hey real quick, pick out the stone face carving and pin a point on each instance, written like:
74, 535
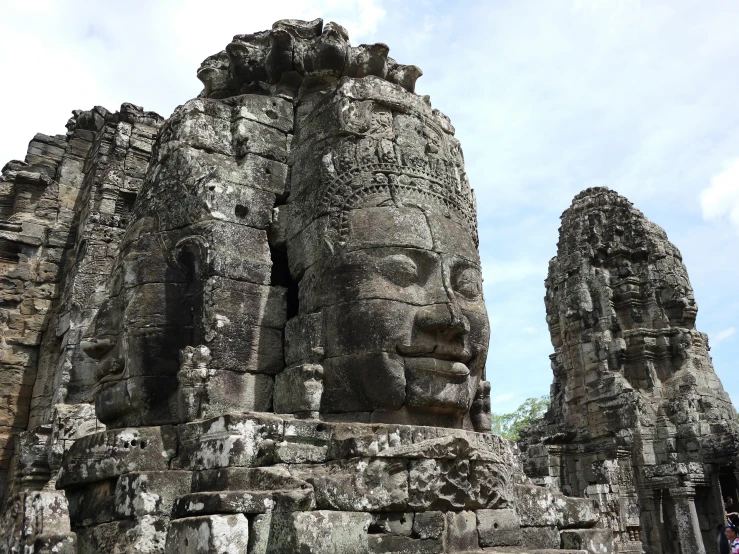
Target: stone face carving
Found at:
638, 418
381, 236
329, 195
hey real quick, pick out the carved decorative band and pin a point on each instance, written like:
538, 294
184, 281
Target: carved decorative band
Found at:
347, 191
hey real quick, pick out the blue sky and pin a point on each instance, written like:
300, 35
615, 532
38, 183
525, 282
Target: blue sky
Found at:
548, 98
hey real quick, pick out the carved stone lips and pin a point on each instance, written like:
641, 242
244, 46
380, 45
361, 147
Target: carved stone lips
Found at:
441, 352
447, 368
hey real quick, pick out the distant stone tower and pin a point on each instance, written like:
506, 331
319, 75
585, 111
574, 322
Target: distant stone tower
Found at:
638, 419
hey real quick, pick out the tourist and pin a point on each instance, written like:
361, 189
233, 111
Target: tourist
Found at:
721, 541
730, 533
731, 514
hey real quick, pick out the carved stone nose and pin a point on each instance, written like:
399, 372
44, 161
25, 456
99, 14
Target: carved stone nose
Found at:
445, 319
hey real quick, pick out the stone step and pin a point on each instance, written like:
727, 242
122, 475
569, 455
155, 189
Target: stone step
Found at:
244, 502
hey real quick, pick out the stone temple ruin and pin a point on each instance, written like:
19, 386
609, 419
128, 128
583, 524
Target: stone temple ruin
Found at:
639, 421
257, 327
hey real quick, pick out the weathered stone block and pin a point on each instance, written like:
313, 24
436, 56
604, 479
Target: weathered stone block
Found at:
235, 203
150, 493
304, 441
92, 503
392, 523
112, 453
228, 242
247, 348
460, 534
347, 390
250, 137
200, 131
231, 391
428, 525
540, 537
147, 535
208, 535
244, 502
498, 527
260, 531
304, 339
230, 440
536, 506
577, 512
593, 541
358, 485
263, 173
457, 484
246, 478
55, 544
267, 110
320, 532
240, 303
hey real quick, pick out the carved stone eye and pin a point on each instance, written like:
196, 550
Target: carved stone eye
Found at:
400, 269
468, 283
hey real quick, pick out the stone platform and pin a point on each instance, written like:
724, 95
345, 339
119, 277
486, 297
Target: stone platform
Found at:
262, 483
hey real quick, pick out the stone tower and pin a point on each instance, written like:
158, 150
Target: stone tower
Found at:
273, 301
638, 418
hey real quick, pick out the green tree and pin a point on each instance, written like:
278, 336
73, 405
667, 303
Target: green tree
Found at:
509, 426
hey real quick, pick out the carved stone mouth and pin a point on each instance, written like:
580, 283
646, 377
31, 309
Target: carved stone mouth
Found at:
447, 368
455, 353
108, 381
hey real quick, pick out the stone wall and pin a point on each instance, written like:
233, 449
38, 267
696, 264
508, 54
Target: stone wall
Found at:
262, 483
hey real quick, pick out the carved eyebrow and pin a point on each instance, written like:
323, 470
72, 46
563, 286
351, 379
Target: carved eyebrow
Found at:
391, 250
456, 261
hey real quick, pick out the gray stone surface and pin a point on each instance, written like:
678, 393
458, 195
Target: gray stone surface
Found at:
498, 527
216, 534
593, 541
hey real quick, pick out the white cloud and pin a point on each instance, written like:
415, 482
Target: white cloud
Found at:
722, 336
721, 199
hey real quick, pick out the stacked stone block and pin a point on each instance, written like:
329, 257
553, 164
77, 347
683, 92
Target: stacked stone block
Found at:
261, 483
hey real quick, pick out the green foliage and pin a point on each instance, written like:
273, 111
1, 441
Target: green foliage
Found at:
509, 426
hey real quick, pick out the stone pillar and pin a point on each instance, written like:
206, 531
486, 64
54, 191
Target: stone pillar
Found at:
688, 529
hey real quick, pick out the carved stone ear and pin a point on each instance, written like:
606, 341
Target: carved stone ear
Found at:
298, 390
192, 256
193, 373
480, 410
